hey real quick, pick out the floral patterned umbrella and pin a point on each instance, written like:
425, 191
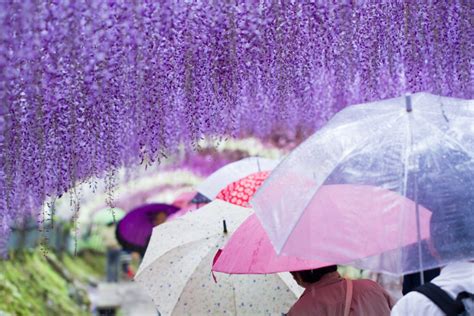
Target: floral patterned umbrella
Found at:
176, 269
233, 172
240, 192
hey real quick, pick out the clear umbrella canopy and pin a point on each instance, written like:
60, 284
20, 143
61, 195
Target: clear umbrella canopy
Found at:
418, 147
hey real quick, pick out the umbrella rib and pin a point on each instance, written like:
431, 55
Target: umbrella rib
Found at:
379, 117
378, 131
169, 250
454, 140
350, 124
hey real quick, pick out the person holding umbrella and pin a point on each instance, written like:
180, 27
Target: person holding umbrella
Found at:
134, 230
326, 293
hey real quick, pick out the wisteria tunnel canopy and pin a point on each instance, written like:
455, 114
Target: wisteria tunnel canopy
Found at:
89, 86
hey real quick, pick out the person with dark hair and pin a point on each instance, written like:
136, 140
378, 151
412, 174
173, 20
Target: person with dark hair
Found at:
326, 293
451, 242
413, 280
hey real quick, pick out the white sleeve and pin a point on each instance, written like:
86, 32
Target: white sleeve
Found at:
400, 308
414, 304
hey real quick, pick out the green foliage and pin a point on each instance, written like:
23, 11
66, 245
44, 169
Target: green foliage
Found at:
352, 273
87, 266
93, 242
33, 284
94, 260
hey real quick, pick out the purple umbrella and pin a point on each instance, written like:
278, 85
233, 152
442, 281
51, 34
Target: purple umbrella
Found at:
134, 230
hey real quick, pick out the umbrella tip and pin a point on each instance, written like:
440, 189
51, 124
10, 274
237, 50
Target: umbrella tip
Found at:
408, 103
225, 226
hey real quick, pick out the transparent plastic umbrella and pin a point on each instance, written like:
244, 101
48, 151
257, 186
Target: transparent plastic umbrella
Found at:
420, 147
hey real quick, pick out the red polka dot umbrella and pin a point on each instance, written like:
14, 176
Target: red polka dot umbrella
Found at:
240, 192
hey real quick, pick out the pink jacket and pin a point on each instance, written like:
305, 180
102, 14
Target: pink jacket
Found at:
327, 297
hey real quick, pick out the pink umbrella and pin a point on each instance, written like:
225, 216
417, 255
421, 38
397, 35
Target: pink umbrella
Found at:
184, 199
249, 251
185, 202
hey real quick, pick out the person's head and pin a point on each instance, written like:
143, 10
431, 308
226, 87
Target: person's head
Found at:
159, 218
305, 278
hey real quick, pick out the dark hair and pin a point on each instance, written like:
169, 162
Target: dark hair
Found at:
314, 275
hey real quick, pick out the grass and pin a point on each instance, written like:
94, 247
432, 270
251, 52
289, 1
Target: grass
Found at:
34, 284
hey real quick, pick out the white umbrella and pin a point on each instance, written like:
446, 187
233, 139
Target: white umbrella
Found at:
176, 269
233, 172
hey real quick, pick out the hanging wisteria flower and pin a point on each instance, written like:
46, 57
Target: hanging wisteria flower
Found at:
88, 86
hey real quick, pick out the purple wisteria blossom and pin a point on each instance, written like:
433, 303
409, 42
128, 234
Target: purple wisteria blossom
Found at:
88, 86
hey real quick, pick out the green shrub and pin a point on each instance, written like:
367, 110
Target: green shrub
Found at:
32, 284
